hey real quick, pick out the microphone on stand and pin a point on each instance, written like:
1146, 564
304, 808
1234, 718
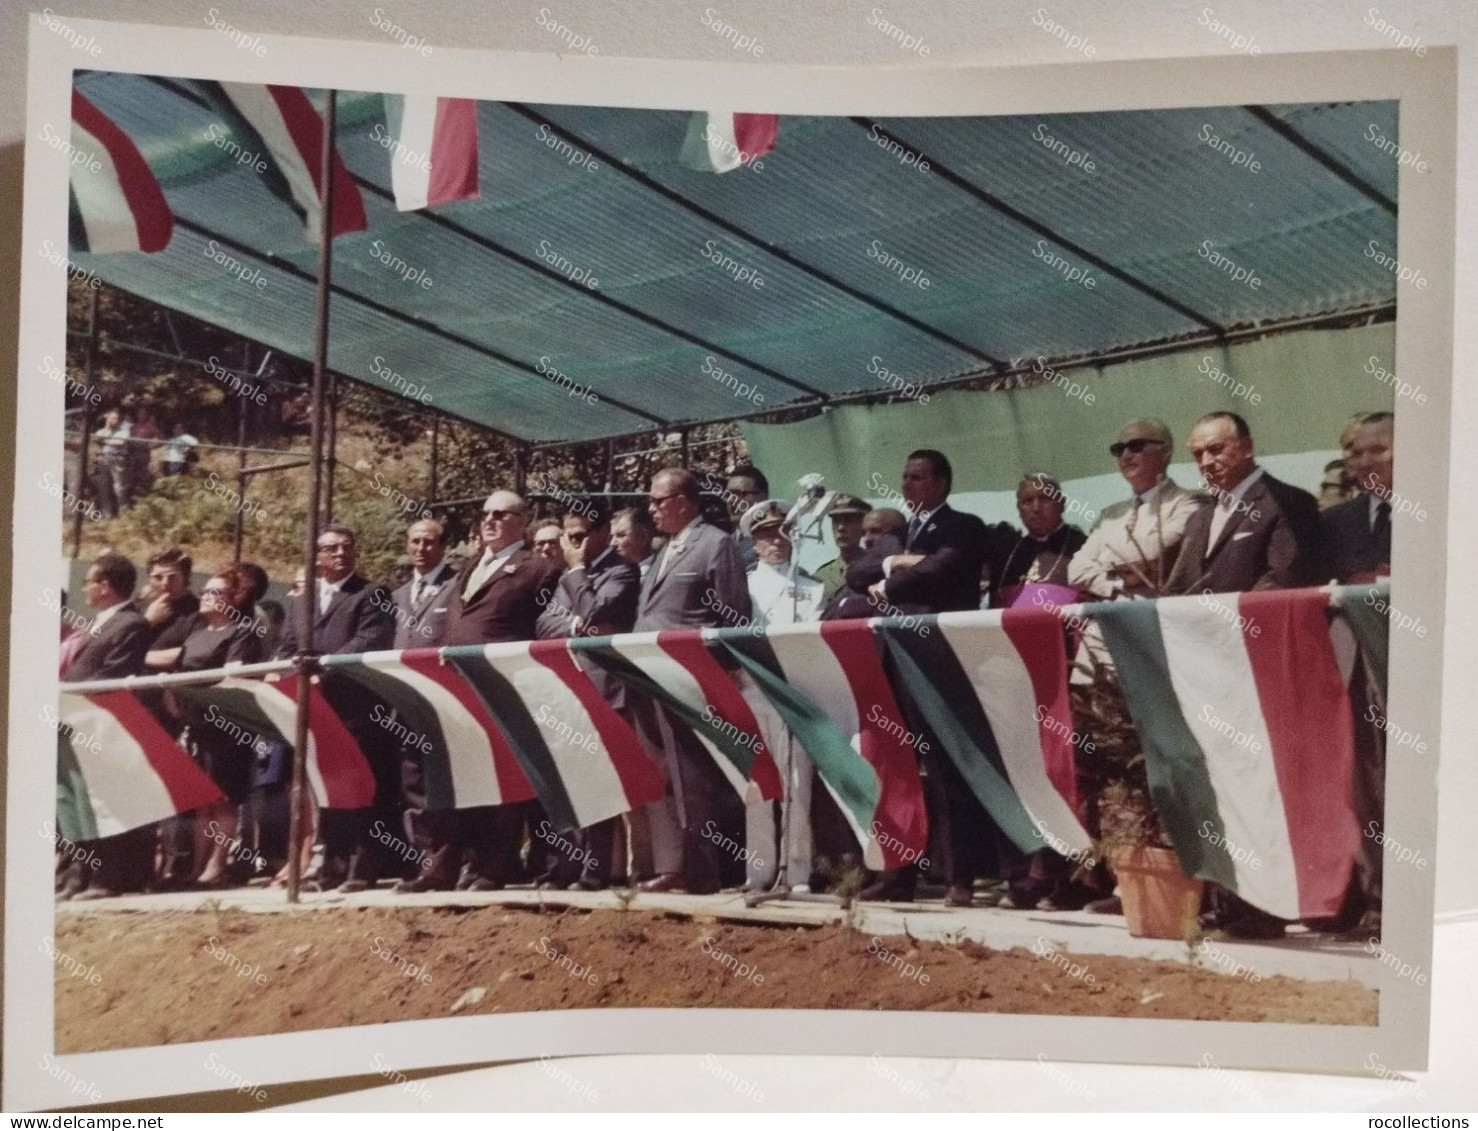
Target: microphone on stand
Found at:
811, 506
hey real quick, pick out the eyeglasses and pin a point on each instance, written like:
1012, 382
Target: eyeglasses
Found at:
658, 500
1135, 446
499, 516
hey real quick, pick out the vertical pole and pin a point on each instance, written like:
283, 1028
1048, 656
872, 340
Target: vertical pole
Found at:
684, 447
333, 446
89, 358
435, 454
307, 659
241, 476
520, 468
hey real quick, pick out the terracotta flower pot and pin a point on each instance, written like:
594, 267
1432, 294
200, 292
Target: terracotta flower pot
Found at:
1158, 897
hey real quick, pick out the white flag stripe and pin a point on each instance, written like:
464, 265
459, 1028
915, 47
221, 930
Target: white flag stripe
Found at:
1212, 677
1004, 687
469, 750
282, 712
123, 787
257, 106
723, 146
580, 756
106, 216
415, 129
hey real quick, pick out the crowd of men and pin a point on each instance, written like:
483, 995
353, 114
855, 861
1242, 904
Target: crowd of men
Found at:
676, 563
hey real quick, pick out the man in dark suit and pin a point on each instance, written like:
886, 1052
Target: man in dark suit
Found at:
353, 617
1258, 532
422, 611
499, 596
597, 596
114, 645
698, 581
936, 569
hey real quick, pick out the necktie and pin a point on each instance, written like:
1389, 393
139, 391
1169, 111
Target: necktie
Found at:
915, 524
1381, 527
1134, 514
479, 575
418, 591
668, 557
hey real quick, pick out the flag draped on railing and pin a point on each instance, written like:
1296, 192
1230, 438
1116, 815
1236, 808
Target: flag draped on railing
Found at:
1239, 702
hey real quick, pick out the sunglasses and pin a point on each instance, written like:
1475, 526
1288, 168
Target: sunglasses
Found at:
658, 500
499, 516
1135, 446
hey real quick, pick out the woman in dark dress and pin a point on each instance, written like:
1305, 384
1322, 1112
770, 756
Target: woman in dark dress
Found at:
226, 631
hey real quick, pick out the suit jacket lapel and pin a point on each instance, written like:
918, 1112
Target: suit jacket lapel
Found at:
1240, 515
431, 592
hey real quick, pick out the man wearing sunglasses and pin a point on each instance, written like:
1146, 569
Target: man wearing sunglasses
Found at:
1132, 547
500, 595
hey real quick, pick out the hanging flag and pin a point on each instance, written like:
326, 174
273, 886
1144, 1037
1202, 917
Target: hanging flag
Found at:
432, 143
118, 769
719, 141
465, 758
115, 202
1248, 740
995, 696
581, 756
678, 670
279, 124
828, 683
254, 710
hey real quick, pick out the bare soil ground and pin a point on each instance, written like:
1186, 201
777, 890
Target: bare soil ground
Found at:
163, 978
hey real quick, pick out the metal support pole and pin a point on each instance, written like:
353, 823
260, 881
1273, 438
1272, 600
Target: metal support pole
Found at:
333, 446
85, 451
307, 658
520, 468
435, 456
240, 523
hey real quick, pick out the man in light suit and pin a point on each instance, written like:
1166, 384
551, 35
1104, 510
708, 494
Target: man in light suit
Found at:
698, 581
114, 645
1132, 548
422, 609
353, 617
597, 596
1258, 532
499, 596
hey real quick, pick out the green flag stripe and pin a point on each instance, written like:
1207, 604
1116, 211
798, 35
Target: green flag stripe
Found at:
74, 816
1364, 610
1180, 787
508, 708
852, 780
236, 706
246, 136
416, 714
938, 687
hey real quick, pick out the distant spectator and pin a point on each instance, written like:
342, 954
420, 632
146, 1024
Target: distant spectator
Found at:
546, 543
180, 451
110, 464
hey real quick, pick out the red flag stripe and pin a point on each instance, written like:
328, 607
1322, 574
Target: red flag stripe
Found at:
756, 134
1306, 708
151, 213
454, 152
1036, 634
189, 786
347, 779
901, 793
723, 696
641, 778
305, 128
513, 783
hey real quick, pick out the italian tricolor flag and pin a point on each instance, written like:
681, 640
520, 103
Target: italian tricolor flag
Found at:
280, 124
118, 769
1247, 731
828, 684
719, 141
117, 206
582, 757
992, 689
433, 158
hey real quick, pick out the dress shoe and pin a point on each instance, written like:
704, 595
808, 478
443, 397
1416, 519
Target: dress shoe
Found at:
1368, 928
95, 893
887, 890
349, 887
1254, 926
1113, 905
482, 883
668, 881
464, 878
418, 884
959, 895
586, 885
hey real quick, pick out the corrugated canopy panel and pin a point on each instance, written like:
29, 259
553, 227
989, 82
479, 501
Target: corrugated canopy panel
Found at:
841, 224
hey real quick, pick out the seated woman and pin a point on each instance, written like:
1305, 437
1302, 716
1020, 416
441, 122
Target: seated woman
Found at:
226, 632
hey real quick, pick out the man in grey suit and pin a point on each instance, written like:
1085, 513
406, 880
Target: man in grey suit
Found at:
698, 581
597, 596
